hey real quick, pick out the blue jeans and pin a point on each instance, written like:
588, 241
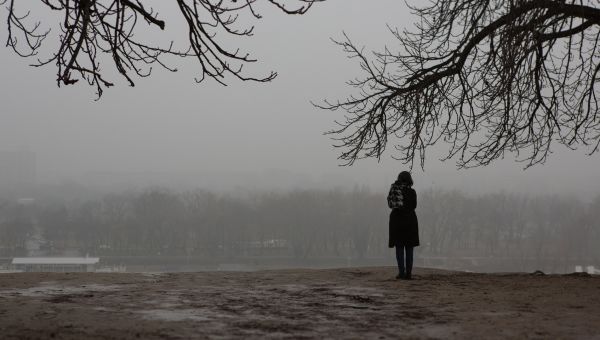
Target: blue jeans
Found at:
400, 258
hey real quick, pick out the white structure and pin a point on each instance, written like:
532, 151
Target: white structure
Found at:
590, 270
55, 264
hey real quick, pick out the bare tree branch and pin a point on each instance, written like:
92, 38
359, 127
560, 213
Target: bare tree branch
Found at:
92, 28
486, 77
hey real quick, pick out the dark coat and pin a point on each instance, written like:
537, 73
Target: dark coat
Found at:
404, 226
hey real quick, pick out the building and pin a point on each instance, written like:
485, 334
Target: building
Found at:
55, 264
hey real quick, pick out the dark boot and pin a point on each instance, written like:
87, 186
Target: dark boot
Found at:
401, 275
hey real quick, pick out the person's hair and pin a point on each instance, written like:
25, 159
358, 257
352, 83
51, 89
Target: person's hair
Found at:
405, 178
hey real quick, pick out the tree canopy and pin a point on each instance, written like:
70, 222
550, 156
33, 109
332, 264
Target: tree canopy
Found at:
487, 77
91, 28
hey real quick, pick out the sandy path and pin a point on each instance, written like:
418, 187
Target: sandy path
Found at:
361, 303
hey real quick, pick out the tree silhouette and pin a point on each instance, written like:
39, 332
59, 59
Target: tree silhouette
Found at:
485, 76
90, 28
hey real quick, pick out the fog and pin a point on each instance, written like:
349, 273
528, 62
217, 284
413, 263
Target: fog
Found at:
244, 138
168, 130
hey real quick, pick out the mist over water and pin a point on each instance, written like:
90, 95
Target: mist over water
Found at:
159, 229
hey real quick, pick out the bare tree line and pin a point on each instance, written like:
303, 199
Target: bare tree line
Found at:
307, 224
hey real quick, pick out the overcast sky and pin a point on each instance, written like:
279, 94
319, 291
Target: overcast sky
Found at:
169, 129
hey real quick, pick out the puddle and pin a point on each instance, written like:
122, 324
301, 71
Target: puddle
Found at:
53, 289
103, 309
152, 274
179, 314
362, 291
294, 287
171, 299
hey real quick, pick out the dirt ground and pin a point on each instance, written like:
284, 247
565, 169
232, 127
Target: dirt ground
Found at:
353, 303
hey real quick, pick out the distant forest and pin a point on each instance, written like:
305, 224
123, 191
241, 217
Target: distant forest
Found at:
304, 224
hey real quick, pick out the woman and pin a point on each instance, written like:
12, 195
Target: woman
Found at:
404, 226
